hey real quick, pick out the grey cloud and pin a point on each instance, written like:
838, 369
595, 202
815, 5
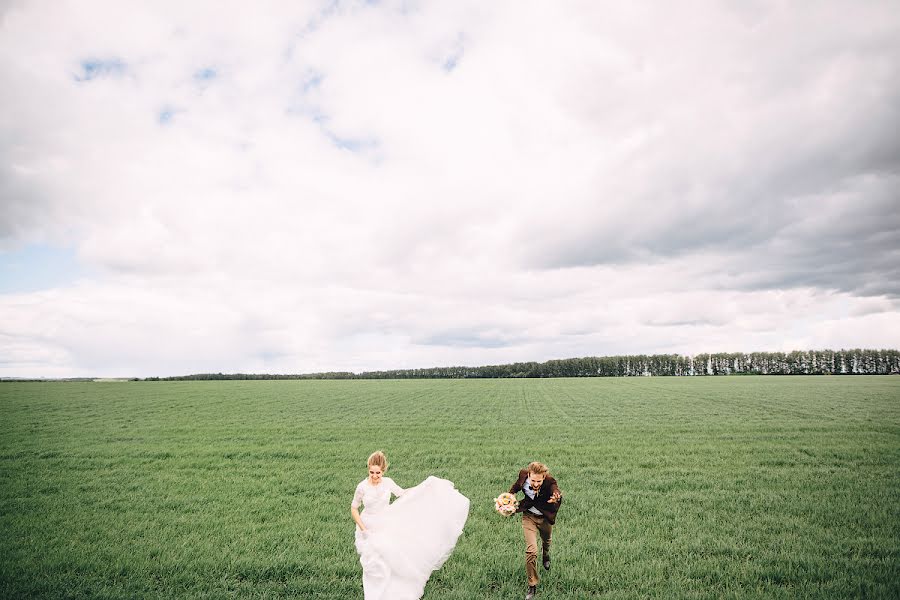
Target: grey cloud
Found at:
875, 307
855, 250
859, 254
467, 339
812, 200
685, 323
387, 216
7, 6
24, 201
694, 211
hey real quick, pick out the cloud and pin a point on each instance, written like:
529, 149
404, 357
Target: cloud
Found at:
348, 185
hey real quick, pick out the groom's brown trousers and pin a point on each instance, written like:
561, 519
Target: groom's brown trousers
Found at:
534, 525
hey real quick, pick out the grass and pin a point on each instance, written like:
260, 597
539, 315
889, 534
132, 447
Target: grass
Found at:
729, 487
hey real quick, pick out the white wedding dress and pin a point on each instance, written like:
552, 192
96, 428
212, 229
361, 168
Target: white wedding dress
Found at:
407, 540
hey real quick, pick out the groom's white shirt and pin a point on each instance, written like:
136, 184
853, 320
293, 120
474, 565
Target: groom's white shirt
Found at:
530, 493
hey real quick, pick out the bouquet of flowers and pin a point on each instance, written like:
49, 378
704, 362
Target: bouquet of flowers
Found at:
506, 504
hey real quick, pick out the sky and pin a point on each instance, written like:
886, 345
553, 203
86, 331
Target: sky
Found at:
294, 187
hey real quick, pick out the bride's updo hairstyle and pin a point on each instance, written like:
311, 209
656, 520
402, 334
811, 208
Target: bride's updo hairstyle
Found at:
535, 467
378, 459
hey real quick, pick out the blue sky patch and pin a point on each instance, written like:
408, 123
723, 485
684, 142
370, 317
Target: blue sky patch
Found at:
312, 80
301, 104
455, 55
38, 267
450, 63
351, 144
93, 68
206, 74
166, 115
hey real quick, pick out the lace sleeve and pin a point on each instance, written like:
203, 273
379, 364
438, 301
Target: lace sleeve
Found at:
396, 489
357, 497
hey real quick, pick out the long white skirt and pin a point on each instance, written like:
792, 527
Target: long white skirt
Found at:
409, 539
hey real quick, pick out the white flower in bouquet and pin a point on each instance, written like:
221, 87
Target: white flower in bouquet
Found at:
506, 504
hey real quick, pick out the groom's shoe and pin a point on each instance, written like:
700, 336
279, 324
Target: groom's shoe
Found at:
532, 591
546, 561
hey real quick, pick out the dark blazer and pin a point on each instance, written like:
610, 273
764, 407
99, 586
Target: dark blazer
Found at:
540, 501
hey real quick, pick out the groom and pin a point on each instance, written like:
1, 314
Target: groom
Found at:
538, 507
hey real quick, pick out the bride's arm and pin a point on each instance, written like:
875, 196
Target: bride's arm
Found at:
355, 514
354, 509
396, 489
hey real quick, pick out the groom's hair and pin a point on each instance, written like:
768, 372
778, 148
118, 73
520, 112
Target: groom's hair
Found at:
538, 468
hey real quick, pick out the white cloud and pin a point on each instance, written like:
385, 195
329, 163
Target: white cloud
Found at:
313, 186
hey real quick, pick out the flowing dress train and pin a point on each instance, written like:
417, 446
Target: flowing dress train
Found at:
407, 540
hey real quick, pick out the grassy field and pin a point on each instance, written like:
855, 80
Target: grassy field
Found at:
729, 487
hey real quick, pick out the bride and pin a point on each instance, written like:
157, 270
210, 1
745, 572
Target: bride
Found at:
400, 544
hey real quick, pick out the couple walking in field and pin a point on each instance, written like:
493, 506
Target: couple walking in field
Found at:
400, 544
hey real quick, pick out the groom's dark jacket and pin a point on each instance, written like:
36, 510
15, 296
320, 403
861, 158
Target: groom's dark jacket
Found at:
540, 501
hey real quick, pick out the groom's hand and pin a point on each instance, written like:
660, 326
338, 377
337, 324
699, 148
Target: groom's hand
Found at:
554, 498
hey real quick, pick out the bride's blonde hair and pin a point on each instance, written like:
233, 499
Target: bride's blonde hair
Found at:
378, 459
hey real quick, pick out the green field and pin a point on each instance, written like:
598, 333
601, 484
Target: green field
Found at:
716, 487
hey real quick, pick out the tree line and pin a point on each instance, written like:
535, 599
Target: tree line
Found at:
798, 362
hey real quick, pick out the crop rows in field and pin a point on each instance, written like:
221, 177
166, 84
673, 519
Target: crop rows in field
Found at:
744, 487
